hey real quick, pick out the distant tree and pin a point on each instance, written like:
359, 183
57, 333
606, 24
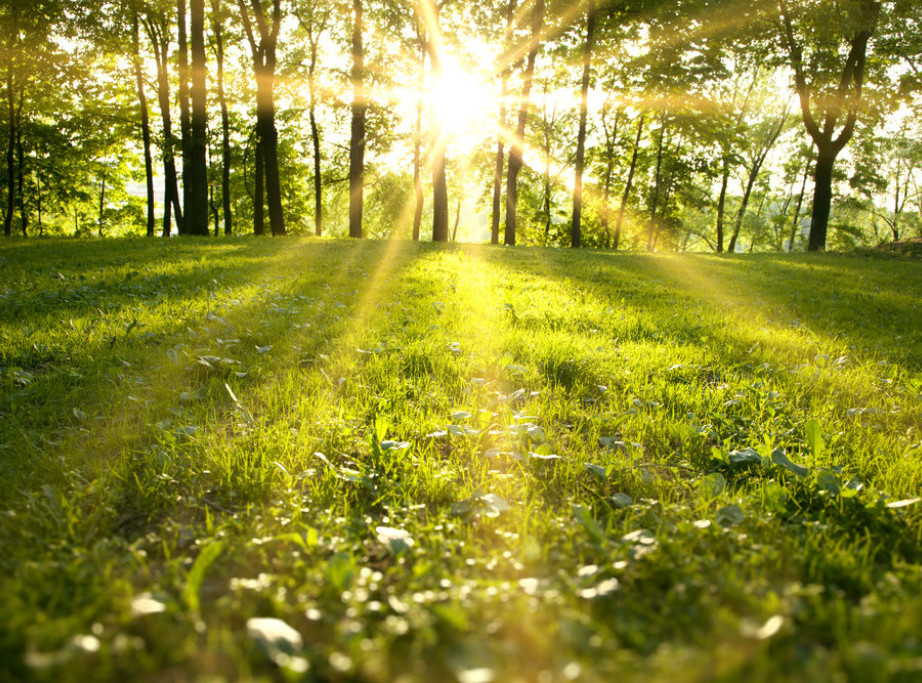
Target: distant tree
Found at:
829, 87
516, 150
263, 45
197, 208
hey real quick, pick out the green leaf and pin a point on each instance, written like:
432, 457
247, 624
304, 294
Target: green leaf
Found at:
585, 518
780, 458
746, 456
712, 486
731, 515
828, 481
597, 471
196, 575
815, 438
621, 500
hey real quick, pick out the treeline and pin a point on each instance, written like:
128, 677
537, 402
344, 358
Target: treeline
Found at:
692, 124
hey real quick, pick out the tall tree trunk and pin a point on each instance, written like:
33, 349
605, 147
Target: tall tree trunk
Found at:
610, 136
185, 124
627, 186
418, 142
576, 222
156, 31
518, 143
500, 161
145, 128
722, 202
225, 123
21, 172
102, 204
10, 155
197, 209
822, 198
357, 131
315, 138
454, 233
38, 202
651, 236
264, 63
259, 189
439, 135
797, 207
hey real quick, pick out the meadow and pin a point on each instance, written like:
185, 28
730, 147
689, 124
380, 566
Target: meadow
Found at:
325, 460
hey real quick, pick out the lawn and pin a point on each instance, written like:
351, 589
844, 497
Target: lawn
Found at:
326, 460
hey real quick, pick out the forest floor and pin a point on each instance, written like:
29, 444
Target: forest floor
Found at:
286, 459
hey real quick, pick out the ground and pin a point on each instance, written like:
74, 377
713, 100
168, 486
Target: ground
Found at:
285, 459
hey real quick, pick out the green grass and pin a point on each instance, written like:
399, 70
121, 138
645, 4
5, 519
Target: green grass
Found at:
457, 463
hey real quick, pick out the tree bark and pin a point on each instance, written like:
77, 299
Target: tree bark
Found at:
721, 203
225, 123
21, 173
822, 199
264, 62
576, 222
145, 128
155, 28
627, 185
516, 151
259, 189
357, 129
10, 155
439, 137
315, 136
651, 236
197, 209
797, 207
185, 124
102, 204
500, 162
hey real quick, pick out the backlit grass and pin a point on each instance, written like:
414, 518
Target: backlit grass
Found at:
457, 463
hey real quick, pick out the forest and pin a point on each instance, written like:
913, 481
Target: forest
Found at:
691, 125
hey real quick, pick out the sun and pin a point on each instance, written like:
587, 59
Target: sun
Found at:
461, 102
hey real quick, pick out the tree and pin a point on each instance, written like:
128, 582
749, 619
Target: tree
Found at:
217, 18
357, 128
197, 182
575, 224
517, 148
263, 53
830, 102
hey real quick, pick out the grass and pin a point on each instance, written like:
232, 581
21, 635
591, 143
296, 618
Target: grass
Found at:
282, 459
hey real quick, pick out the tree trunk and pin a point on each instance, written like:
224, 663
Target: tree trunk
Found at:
516, 151
439, 140
197, 209
651, 236
21, 174
259, 190
721, 203
576, 223
609, 171
357, 132
225, 124
102, 204
822, 198
418, 142
38, 202
315, 139
145, 128
454, 234
500, 159
627, 185
160, 43
800, 200
10, 156
185, 125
